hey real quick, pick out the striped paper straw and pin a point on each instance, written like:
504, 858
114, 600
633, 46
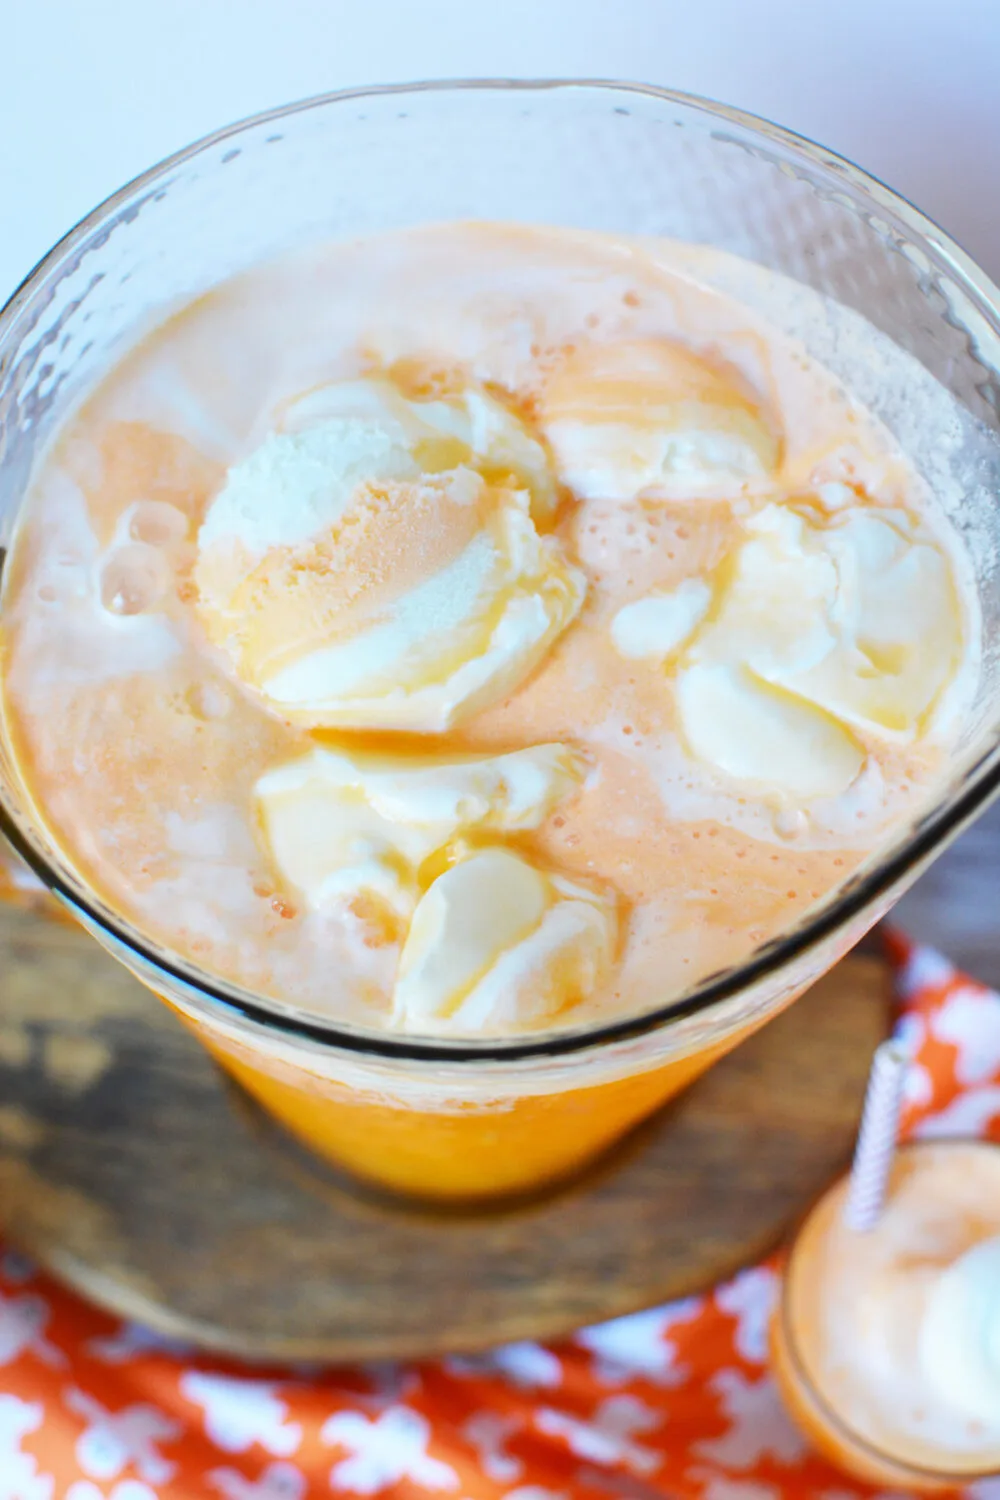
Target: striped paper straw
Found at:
877, 1137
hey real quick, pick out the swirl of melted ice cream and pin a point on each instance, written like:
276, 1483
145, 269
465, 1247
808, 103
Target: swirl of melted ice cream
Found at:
816, 634
378, 566
410, 843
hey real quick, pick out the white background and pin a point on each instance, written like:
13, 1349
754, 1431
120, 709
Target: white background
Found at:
93, 91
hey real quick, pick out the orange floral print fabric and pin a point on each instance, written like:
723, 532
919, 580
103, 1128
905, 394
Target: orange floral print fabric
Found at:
675, 1402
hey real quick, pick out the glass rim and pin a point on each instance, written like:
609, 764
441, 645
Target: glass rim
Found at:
842, 1429
980, 781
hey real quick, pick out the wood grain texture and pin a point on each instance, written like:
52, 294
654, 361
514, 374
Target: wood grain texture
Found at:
126, 1168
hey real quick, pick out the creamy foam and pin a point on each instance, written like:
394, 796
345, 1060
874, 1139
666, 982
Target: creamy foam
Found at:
502, 490
960, 1335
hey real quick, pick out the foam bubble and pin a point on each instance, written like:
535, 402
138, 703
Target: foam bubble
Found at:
134, 579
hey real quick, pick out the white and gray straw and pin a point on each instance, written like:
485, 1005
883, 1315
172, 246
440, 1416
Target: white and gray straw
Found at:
876, 1145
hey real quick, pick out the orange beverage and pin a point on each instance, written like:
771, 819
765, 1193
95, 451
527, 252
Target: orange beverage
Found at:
456, 1147
886, 1344
476, 664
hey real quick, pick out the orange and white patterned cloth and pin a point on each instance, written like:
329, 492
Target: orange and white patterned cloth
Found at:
674, 1403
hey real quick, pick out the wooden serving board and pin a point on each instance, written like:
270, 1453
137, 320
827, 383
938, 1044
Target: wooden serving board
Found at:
136, 1173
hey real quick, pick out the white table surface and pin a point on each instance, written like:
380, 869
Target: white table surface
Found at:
93, 91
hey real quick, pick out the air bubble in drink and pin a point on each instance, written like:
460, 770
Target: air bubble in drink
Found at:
790, 823
157, 523
134, 578
207, 700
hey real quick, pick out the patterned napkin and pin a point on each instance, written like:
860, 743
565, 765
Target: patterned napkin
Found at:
675, 1403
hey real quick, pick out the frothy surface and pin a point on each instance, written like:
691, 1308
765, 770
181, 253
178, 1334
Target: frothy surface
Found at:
642, 433
877, 1318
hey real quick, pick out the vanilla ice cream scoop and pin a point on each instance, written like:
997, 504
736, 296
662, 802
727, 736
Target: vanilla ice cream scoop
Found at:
354, 582
489, 941
824, 634
340, 825
960, 1334
654, 627
497, 944
860, 616
466, 426
754, 733
650, 418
